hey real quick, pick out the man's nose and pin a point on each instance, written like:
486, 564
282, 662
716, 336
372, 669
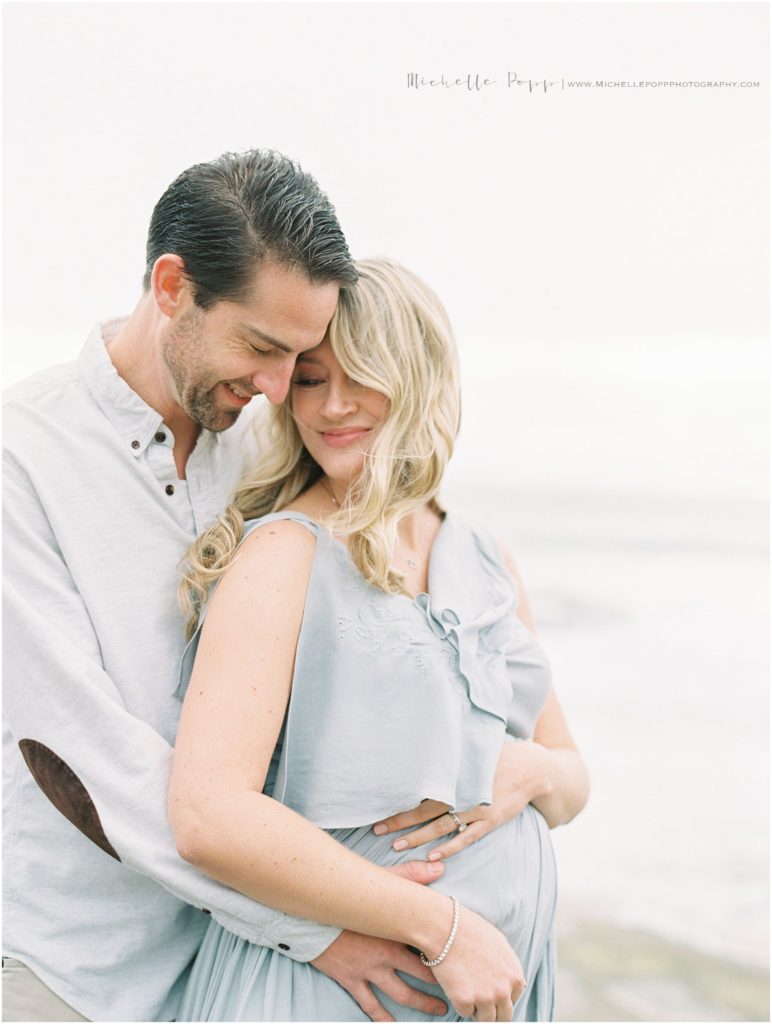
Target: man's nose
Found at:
274, 383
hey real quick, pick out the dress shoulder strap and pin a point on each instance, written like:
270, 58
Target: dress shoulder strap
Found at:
492, 560
273, 517
188, 655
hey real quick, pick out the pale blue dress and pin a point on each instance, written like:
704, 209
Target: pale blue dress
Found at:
395, 701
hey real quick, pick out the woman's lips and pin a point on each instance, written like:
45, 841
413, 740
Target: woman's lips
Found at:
342, 438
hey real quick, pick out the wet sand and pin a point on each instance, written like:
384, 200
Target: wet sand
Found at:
607, 973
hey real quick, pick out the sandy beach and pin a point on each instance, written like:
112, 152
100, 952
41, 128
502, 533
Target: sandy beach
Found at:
608, 973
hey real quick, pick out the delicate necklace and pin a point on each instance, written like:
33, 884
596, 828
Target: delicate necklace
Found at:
413, 564
326, 485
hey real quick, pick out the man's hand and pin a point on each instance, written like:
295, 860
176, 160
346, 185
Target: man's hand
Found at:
358, 961
519, 779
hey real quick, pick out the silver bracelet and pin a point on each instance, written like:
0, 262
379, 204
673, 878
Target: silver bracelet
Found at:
451, 937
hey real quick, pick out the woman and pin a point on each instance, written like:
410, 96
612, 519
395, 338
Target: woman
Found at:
361, 654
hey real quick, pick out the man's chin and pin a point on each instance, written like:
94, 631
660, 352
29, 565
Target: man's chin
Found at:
225, 419
215, 419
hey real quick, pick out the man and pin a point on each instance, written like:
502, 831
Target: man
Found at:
113, 464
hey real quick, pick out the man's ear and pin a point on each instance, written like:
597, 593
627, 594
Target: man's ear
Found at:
169, 283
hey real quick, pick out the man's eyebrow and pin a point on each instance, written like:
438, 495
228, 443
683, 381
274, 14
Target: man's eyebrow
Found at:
249, 329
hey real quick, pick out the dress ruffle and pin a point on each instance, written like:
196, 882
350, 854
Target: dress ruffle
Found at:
482, 668
372, 669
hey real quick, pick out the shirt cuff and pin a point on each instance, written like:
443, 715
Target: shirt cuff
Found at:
294, 937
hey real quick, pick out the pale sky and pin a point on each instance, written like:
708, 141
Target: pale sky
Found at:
579, 223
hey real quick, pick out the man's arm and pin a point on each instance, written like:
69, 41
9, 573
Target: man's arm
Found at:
102, 768
108, 771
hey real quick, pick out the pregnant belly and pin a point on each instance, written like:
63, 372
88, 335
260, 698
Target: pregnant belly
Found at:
508, 877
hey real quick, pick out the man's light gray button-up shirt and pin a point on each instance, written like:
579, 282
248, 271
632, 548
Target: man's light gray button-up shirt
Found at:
96, 523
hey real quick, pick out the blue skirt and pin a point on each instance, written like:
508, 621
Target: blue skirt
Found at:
508, 877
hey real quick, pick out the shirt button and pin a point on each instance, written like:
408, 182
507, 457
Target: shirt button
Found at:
160, 437
283, 945
135, 444
169, 489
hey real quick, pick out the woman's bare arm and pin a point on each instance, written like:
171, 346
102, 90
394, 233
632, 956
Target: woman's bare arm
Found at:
228, 828
550, 766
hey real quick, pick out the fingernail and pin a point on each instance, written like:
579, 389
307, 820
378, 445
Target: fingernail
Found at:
380, 830
399, 844
435, 856
435, 870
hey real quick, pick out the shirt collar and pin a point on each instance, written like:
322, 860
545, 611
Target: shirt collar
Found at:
132, 417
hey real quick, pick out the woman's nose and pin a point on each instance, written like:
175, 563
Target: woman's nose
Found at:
339, 401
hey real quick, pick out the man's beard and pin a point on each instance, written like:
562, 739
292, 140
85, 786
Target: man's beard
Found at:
197, 399
199, 404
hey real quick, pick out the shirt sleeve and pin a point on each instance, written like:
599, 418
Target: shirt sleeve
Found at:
104, 769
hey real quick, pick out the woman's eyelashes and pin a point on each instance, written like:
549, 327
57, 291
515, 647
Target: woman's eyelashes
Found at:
307, 381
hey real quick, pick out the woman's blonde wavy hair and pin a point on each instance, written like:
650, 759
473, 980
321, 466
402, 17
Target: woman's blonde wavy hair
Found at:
390, 333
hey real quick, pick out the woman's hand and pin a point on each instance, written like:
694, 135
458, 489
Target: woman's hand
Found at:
481, 975
519, 779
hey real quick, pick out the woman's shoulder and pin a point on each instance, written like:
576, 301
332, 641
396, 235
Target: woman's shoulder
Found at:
285, 523
265, 584
483, 559
498, 564
278, 547
481, 542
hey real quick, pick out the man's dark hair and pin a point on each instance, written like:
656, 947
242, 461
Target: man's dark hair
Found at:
227, 216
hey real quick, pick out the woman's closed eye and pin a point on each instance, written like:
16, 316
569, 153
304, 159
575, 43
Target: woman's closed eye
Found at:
307, 382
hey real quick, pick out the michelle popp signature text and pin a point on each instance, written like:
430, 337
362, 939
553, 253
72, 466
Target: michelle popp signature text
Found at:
478, 83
